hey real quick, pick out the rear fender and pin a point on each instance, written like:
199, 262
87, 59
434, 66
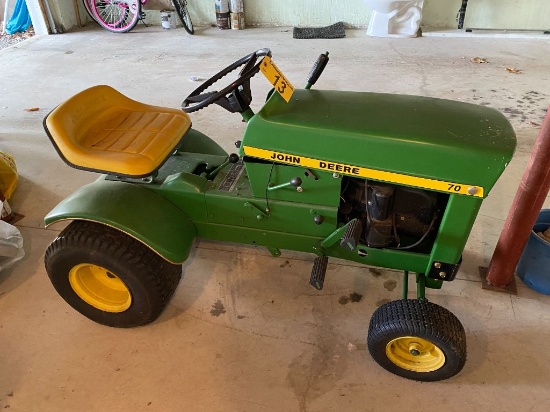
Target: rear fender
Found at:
134, 210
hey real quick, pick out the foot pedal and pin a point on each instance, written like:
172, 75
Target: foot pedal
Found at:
318, 272
350, 240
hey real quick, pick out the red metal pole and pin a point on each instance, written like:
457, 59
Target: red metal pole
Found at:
523, 214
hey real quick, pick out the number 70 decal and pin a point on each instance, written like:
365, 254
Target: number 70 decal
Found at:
276, 78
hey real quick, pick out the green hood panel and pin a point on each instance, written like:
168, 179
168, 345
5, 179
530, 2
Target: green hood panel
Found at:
417, 136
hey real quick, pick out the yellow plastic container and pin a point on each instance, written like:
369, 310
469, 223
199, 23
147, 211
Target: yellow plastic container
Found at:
8, 174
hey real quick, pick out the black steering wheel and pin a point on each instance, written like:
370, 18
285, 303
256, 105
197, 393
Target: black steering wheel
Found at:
227, 98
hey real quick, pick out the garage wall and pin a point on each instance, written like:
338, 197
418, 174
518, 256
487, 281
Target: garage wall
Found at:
354, 13
437, 13
291, 12
441, 13
63, 13
258, 12
512, 14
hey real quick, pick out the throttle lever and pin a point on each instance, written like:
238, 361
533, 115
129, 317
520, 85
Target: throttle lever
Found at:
317, 70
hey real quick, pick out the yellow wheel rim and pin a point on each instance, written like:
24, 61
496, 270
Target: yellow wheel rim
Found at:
100, 288
415, 354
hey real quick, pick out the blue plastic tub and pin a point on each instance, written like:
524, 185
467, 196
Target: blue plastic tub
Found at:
534, 265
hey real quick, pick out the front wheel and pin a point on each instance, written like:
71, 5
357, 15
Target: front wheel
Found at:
108, 276
183, 13
417, 340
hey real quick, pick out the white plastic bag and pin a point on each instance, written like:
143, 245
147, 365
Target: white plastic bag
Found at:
11, 245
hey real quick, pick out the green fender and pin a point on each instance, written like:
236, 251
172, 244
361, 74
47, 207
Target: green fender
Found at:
136, 211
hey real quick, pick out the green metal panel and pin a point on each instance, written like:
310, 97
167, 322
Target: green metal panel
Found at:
239, 216
183, 162
387, 258
239, 207
186, 191
133, 209
177, 183
411, 135
454, 230
288, 217
325, 190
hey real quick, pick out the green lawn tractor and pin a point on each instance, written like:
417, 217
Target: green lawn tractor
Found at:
386, 180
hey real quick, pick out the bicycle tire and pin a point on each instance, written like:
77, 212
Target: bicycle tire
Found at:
89, 9
118, 16
183, 14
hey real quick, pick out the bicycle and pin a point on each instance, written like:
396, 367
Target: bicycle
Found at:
121, 16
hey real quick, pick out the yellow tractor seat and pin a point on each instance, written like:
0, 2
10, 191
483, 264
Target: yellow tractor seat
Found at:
101, 130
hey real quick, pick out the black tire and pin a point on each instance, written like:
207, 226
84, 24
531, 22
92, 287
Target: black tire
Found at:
108, 276
417, 340
183, 13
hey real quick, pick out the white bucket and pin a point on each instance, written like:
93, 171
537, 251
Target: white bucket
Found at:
168, 19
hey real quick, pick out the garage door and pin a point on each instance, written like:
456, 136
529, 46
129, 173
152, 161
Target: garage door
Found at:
508, 14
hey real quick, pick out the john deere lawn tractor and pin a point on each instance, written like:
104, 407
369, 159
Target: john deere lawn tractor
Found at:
386, 180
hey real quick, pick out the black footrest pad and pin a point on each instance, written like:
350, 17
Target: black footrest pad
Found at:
350, 240
318, 272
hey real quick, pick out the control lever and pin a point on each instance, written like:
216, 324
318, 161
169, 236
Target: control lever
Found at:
232, 158
317, 70
294, 182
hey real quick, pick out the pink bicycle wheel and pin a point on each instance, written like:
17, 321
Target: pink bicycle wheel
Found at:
119, 16
89, 9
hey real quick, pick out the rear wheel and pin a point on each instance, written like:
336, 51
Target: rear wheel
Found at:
417, 340
108, 276
183, 13
118, 16
89, 8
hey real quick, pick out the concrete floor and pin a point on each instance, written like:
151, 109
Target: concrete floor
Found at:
280, 345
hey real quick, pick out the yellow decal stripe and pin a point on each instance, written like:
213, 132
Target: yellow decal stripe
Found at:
449, 187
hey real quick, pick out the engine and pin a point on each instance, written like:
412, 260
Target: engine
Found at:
392, 216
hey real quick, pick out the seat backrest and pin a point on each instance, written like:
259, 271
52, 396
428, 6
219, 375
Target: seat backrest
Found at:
70, 121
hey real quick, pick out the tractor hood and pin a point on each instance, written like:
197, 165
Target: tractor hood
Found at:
418, 141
